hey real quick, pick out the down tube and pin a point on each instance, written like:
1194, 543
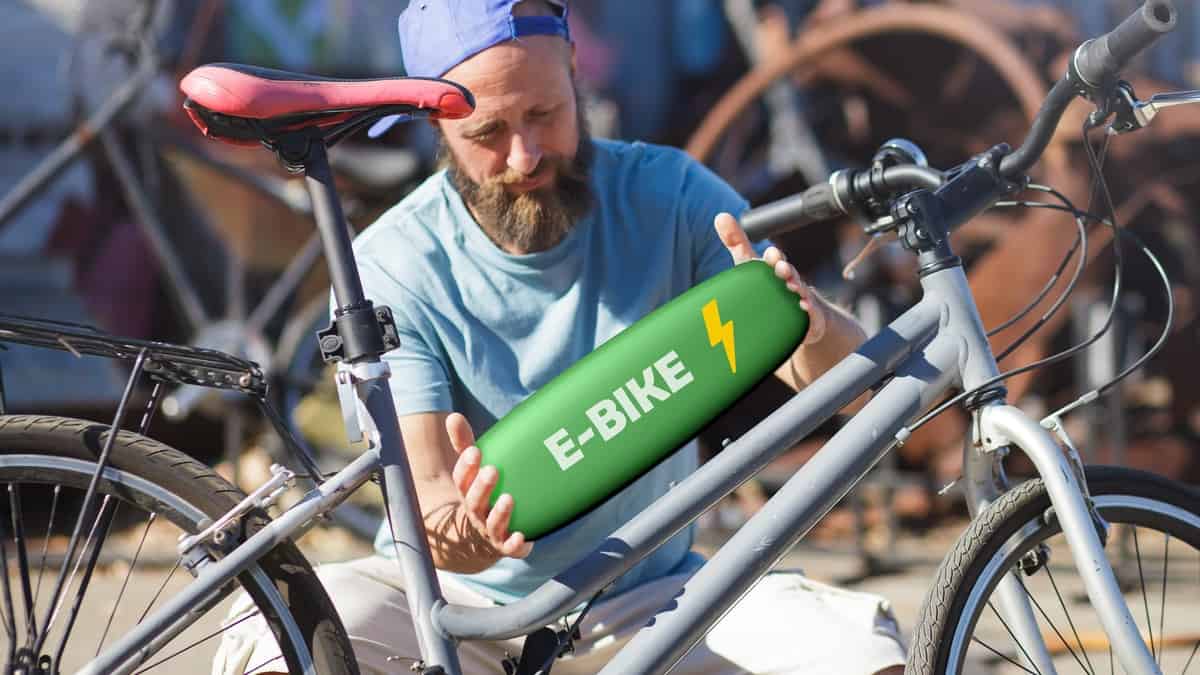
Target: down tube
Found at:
800, 503
702, 489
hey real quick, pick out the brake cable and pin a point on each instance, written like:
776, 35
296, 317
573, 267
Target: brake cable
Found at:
1096, 165
1081, 241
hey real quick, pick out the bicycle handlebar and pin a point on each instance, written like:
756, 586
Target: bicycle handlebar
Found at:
833, 198
1096, 63
815, 204
1102, 58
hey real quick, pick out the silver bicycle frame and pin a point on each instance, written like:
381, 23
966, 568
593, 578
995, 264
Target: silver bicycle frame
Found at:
938, 343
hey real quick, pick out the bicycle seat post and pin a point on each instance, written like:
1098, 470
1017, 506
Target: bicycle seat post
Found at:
331, 223
361, 333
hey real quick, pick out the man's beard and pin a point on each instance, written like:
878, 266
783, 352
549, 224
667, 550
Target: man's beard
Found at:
536, 220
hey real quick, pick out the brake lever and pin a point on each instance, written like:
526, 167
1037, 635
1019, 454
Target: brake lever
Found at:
876, 242
1132, 114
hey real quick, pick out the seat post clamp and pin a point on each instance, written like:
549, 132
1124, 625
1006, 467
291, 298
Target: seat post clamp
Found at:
359, 333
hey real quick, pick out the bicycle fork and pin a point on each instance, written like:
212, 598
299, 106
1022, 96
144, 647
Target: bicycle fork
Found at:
999, 426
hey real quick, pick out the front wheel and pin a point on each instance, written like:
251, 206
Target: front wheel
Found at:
1153, 545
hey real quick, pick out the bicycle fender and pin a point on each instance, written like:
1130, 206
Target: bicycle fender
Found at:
616, 413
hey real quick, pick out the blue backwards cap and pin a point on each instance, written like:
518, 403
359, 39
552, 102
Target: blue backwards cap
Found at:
436, 35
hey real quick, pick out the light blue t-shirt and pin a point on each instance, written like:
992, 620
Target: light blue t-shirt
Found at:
481, 329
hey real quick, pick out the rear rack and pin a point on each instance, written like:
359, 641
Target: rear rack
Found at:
164, 362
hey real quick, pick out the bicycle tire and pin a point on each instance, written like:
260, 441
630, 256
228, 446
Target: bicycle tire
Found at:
1013, 526
151, 476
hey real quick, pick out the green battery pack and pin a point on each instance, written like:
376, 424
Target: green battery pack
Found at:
616, 413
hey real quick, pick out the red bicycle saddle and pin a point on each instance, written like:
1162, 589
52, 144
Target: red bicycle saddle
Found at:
246, 104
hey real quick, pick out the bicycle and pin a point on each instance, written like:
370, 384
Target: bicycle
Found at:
937, 344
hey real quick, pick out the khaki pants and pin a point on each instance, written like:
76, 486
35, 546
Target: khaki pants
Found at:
785, 624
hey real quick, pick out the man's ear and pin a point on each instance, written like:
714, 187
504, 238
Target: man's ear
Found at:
573, 58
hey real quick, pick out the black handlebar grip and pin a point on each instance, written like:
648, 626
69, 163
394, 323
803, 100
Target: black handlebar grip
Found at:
815, 204
1104, 57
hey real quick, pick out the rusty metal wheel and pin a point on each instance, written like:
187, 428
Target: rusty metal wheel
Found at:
978, 43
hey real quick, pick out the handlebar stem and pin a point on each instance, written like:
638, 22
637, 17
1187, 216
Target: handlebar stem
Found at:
927, 217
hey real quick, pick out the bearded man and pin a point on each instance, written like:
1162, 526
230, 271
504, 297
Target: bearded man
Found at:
531, 247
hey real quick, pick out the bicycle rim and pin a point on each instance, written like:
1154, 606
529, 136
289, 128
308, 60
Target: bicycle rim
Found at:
124, 567
1153, 545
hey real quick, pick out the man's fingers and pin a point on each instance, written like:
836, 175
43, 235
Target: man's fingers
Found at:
817, 319
459, 431
475, 483
734, 238
516, 546
480, 492
466, 467
784, 270
498, 519
773, 255
512, 545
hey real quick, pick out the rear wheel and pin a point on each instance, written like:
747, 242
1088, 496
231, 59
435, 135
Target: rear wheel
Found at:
126, 562
1153, 545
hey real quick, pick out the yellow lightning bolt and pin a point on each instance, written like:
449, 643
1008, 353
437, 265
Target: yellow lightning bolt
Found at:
718, 332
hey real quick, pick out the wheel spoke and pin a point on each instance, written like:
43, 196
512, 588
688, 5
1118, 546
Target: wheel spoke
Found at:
990, 649
1055, 628
37, 592
1038, 671
124, 584
1162, 606
260, 665
60, 597
104, 522
18, 523
1090, 668
6, 612
1142, 578
1194, 647
196, 643
1190, 657
57, 595
161, 587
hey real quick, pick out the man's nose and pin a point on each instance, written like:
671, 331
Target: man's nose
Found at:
524, 154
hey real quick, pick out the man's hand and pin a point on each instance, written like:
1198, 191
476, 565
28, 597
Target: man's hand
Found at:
475, 484
735, 239
832, 332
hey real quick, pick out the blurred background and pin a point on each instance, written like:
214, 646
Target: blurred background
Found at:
149, 232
